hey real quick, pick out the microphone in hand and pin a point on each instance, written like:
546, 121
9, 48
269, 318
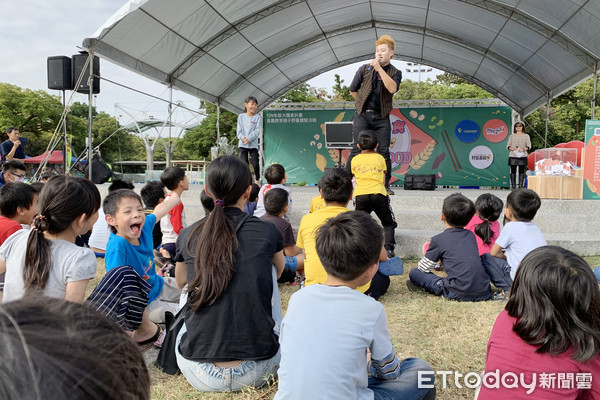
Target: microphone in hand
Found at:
371, 67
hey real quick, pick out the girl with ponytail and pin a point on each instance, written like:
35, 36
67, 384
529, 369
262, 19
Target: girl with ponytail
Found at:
484, 223
486, 228
226, 259
45, 260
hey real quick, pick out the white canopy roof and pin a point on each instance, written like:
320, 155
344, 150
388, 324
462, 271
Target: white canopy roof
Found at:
225, 50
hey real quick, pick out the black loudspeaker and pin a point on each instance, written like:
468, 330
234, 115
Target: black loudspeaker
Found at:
100, 171
59, 73
338, 135
78, 64
419, 182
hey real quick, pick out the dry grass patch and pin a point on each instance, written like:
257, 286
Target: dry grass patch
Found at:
450, 335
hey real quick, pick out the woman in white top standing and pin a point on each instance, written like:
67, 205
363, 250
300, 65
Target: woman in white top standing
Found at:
248, 129
518, 144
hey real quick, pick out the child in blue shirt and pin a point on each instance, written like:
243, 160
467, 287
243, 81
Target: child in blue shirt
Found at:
131, 243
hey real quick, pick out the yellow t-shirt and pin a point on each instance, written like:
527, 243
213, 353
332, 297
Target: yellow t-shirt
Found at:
313, 269
369, 170
316, 203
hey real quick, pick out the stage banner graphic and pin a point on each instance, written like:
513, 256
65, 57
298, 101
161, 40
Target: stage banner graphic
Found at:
591, 161
462, 146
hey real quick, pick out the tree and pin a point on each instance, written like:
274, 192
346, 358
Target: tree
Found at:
34, 113
341, 93
447, 79
196, 143
304, 93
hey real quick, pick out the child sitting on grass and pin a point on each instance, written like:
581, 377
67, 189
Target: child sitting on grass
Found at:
486, 228
456, 249
550, 328
250, 206
336, 188
153, 193
276, 177
130, 244
350, 327
18, 206
519, 236
45, 260
276, 205
174, 179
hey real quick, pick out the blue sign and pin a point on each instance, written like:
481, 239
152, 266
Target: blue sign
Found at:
467, 131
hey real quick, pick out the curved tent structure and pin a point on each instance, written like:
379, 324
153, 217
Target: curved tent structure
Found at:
522, 51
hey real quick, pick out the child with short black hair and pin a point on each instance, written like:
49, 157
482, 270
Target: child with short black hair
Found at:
130, 244
456, 248
18, 206
250, 206
207, 202
276, 204
153, 193
100, 231
276, 177
519, 236
370, 194
174, 179
347, 325
336, 188
550, 327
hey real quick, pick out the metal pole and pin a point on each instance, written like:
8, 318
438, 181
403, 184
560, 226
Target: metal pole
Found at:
90, 99
168, 155
547, 119
218, 118
594, 95
64, 135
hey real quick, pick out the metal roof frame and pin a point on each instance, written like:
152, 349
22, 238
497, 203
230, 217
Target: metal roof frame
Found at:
522, 51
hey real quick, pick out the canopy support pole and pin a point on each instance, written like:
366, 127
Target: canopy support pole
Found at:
547, 119
594, 95
90, 99
218, 118
169, 153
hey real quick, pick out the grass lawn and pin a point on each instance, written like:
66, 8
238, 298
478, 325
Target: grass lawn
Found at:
451, 336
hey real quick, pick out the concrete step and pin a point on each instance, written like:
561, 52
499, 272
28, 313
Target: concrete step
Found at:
409, 242
571, 224
547, 222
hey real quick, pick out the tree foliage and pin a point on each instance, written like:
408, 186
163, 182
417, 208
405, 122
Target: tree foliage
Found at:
341, 92
196, 143
304, 93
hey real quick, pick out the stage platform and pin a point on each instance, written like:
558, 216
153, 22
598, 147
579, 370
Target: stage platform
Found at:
571, 224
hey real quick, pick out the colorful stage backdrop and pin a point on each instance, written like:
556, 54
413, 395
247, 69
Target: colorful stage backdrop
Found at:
462, 146
591, 161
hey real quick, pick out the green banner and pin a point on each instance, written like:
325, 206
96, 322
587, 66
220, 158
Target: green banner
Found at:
591, 161
462, 146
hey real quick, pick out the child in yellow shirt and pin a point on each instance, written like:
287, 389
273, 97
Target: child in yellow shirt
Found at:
369, 169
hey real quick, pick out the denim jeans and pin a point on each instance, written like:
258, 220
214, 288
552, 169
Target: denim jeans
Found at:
498, 270
435, 284
406, 385
207, 377
597, 273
